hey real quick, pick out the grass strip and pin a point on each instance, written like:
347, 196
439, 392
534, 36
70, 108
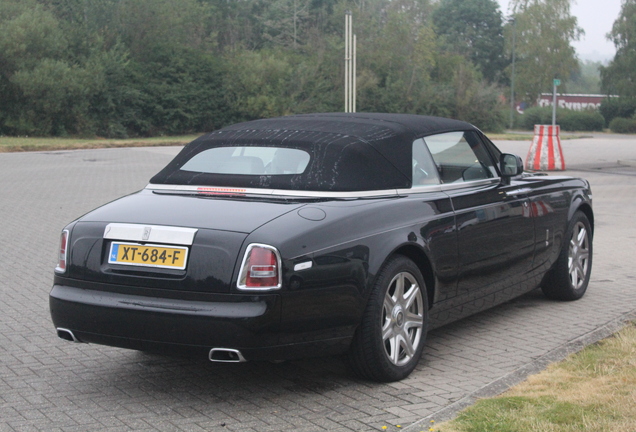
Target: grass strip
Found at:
528, 136
593, 390
22, 144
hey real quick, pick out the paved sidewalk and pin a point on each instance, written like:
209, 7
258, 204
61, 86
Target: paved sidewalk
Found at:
47, 384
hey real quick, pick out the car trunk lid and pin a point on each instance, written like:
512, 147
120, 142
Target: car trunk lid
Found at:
133, 241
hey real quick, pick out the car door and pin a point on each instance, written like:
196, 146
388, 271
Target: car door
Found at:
495, 233
438, 232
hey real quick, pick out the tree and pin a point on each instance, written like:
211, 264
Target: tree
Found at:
118, 68
474, 29
619, 77
41, 91
545, 31
587, 80
283, 22
147, 26
396, 55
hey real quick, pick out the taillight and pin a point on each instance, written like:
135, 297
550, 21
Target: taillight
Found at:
261, 268
61, 260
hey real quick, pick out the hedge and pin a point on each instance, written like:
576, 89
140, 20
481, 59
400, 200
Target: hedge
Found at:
623, 125
569, 120
613, 107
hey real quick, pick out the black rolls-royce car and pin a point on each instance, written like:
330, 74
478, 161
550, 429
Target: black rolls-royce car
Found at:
321, 234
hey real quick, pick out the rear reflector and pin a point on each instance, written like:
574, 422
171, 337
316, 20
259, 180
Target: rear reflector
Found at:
260, 269
61, 261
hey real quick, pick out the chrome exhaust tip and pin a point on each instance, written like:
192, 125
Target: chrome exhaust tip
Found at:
226, 355
67, 335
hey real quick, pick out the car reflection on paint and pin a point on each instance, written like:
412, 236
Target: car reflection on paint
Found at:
321, 234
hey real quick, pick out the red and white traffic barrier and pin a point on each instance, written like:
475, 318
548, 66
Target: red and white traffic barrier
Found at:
545, 153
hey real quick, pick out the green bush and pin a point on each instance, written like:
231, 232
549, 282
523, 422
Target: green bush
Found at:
569, 120
588, 120
535, 115
623, 125
617, 107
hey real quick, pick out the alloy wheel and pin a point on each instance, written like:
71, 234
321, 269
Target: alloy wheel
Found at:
402, 318
578, 255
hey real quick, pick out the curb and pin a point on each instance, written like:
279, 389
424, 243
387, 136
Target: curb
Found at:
511, 379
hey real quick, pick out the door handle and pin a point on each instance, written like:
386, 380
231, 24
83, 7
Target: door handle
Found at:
517, 192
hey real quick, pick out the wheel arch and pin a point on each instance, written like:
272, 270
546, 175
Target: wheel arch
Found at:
421, 260
587, 210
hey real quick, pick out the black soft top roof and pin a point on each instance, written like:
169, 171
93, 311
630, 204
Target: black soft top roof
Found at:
349, 151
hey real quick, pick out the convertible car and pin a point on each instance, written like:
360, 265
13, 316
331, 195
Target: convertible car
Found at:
321, 234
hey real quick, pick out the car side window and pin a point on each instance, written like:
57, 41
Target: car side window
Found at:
460, 157
424, 169
494, 151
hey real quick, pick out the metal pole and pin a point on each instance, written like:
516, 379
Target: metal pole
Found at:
295, 15
347, 60
354, 91
512, 76
349, 56
554, 101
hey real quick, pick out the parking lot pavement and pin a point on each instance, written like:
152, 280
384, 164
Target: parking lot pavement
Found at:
51, 385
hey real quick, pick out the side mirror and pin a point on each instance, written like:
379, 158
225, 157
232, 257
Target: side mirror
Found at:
510, 165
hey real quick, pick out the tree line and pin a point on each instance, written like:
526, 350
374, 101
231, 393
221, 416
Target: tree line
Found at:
120, 68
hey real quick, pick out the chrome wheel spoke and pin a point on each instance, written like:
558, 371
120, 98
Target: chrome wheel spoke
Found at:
410, 296
407, 345
387, 331
389, 304
581, 237
575, 277
413, 321
394, 353
398, 295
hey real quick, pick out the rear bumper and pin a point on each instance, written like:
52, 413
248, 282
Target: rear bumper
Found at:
194, 325
142, 322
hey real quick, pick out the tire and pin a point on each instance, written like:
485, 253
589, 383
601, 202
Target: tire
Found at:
569, 277
388, 343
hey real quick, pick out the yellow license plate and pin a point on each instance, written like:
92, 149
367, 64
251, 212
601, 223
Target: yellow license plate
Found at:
135, 254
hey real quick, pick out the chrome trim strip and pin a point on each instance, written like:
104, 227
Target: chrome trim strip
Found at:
420, 189
150, 233
229, 191
221, 190
462, 185
303, 265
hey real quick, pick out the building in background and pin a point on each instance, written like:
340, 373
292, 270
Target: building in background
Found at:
576, 102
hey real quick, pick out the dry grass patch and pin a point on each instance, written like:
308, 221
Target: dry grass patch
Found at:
21, 144
593, 390
528, 136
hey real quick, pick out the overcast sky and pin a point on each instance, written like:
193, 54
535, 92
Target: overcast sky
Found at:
596, 17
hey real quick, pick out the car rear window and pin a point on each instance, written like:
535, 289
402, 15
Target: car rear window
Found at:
287, 160
249, 160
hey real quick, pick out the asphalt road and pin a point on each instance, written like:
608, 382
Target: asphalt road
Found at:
47, 384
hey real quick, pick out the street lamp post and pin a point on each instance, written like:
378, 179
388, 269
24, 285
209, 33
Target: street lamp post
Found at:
512, 76
555, 83
350, 65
